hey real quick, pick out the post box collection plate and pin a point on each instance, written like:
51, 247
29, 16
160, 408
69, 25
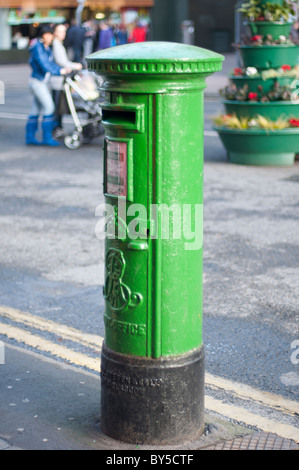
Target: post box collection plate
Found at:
116, 168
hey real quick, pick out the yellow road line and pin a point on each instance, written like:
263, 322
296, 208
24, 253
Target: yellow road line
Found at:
229, 411
43, 324
45, 345
242, 415
238, 390
249, 393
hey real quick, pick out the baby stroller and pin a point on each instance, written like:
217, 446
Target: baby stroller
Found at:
80, 98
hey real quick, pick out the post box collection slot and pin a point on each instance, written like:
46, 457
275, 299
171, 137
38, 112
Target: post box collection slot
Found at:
119, 117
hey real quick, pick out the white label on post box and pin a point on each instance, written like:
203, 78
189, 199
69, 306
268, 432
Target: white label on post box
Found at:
116, 168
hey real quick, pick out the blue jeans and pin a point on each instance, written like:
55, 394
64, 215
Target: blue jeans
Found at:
42, 100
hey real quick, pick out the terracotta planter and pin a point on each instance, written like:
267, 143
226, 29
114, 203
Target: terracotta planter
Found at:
267, 57
260, 147
271, 110
275, 28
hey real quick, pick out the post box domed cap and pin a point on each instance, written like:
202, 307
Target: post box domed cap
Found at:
154, 57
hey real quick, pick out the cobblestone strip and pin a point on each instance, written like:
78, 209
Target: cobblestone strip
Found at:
257, 441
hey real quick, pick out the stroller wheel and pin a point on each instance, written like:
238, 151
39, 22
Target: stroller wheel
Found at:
73, 141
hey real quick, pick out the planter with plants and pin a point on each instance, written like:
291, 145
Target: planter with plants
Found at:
260, 124
273, 103
265, 80
267, 10
266, 28
259, 141
266, 18
267, 56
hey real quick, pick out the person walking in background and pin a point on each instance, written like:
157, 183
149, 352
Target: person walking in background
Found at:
106, 36
89, 37
56, 82
43, 66
121, 34
138, 33
74, 41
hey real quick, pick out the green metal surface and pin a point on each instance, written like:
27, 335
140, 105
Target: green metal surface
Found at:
154, 58
271, 109
154, 104
274, 29
253, 83
269, 56
260, 147
287, 81
277, 2
262, 159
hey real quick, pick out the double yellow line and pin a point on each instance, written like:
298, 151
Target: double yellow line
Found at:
61, 331
247, 394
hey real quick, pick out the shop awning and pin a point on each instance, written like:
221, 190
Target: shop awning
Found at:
100, 4
45, 20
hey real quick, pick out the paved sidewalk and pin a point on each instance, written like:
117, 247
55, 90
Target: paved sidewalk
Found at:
49, 405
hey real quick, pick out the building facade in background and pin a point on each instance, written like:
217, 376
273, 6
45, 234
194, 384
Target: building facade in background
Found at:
21, 19
213, 20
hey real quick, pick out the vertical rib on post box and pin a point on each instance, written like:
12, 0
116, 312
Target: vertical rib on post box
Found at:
153, 355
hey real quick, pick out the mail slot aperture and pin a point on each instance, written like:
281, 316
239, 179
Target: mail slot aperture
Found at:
123, 117
119, 117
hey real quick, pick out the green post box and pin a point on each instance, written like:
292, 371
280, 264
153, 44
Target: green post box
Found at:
153, 358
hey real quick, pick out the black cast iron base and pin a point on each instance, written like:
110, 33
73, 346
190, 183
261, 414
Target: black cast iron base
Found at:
152, 401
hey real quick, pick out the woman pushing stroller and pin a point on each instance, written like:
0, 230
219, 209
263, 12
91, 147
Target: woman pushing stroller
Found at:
43, 66
56, 82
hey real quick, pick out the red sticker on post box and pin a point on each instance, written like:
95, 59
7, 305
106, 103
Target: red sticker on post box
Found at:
116, 168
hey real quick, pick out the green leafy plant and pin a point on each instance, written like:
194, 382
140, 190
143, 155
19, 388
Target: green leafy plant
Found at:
254, 11
267, 40
232, 92
231, 121
278, 93
265, 123
274, 12
251, 10
283, 71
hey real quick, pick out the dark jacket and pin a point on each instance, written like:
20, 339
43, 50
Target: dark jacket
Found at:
75, 36
42, 62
